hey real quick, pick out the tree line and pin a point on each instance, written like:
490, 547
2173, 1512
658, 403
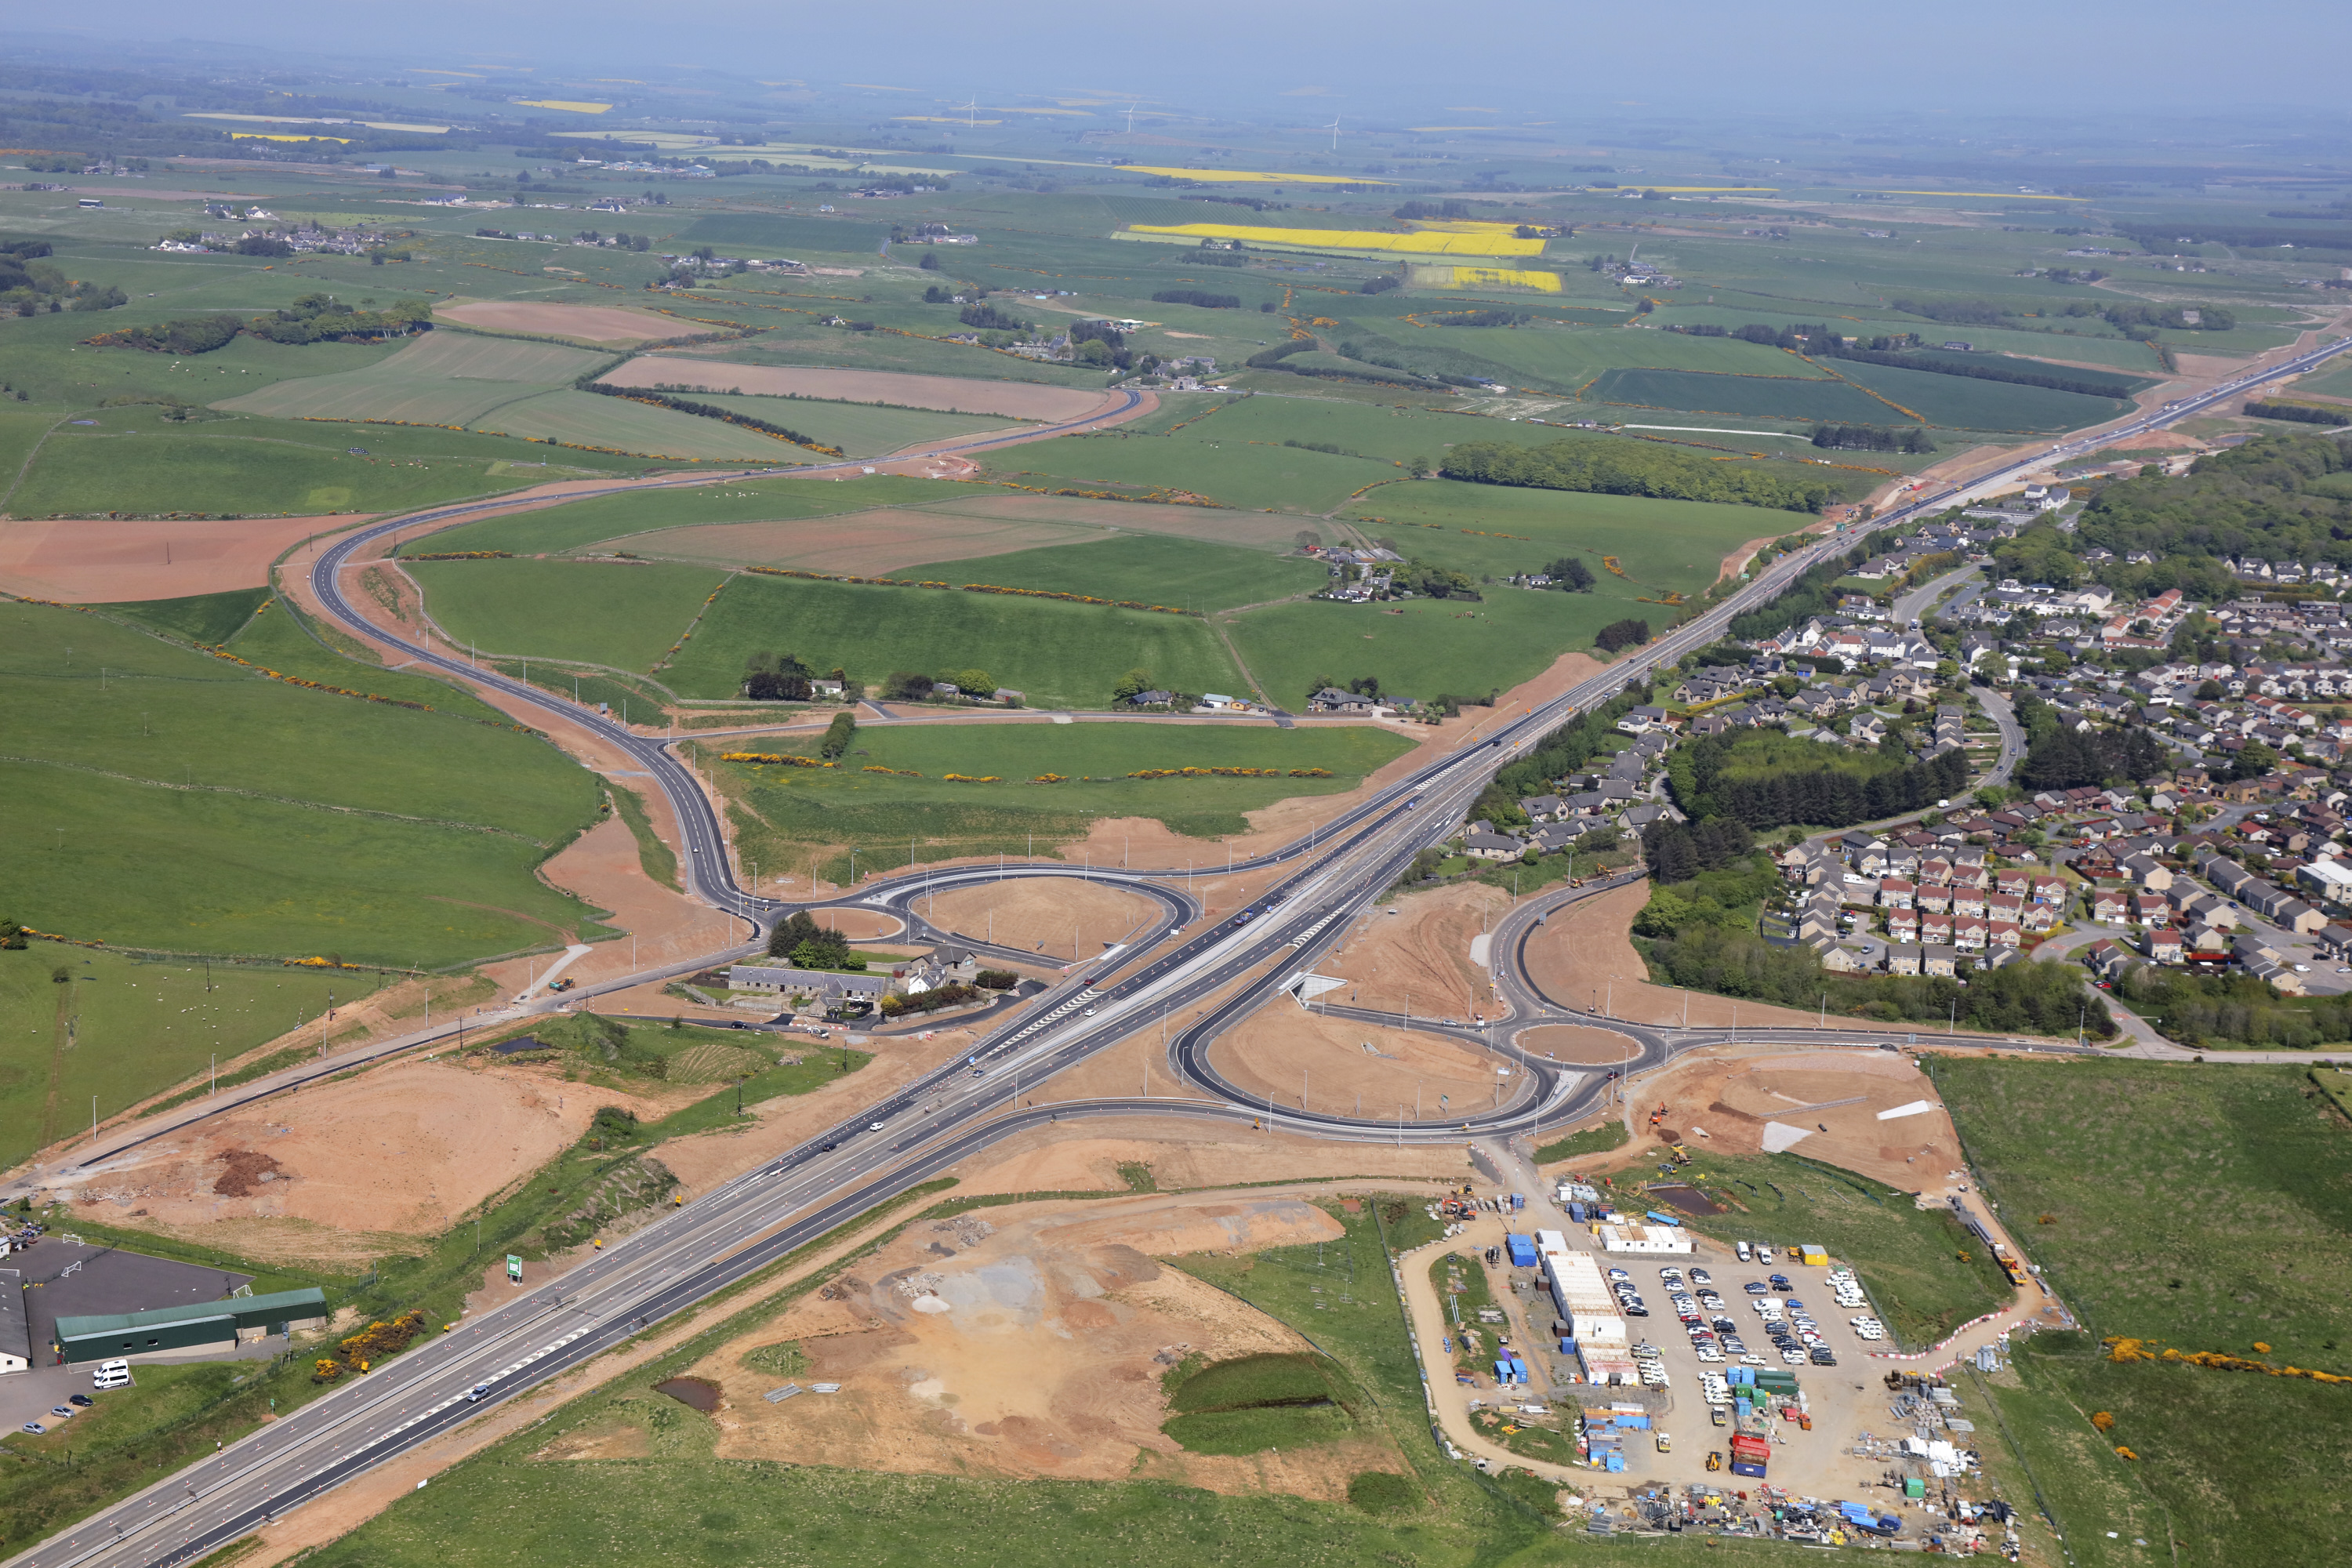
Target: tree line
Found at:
2301, 413
1830, 793
1872, 438
1624, 468
1204, 300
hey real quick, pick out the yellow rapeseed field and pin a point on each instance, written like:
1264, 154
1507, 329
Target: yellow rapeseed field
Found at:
1486, 242
575, 107
1490, 277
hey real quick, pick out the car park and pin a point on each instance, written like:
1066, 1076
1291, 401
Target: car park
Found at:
1756, 1288
1780, 1282
1701, 1276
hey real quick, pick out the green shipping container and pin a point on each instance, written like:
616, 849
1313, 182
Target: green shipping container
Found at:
1912, 1486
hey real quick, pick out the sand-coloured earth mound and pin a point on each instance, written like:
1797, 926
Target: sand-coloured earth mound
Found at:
1341, 1066
597, 324
1059, 919
1027, 1341
403, 1149
1419, 956
1019, 400
1773, 1103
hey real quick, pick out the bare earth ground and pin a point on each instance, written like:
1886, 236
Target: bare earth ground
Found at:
97, 560
1028, 1342
1018, 400
598, 323
404, 1149
1415, 953
1285, 1054
1723, 1098
867, 543
1584, 959
1060, 921
1575, 1044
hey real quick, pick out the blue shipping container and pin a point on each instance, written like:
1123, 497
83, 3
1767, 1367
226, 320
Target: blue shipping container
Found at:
1518, 1202
1576, 1213
1568, 1347
1666, 1218
1742, 1467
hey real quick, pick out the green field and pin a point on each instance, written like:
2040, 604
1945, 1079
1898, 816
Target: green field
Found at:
1258, 1402
785, 815
1967, 404
443, 378
576, 524
166, 799
2333, 379
1663, 545
586, 613
1059, 654
1741, 396
1426, 648
1908, 1257
207, 618
1567, 360
137, 1027
1234, 473
859, 430
126, 460
587, 419
2236, 1229
1140, 567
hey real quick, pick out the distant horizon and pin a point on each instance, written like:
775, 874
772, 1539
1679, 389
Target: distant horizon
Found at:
1825, 64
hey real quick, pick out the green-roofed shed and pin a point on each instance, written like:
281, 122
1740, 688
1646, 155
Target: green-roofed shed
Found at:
189, 1327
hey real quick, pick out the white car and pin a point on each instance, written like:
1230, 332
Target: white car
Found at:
1794, 1357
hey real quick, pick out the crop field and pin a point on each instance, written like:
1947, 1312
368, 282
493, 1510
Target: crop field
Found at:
586, 419
786, 815
805, 347
1743, 397
887, 542
166, 799
1010, 399
1962, 403
860, 430
594, 323
1567, 359
1137, 566
1250, 476
1663, 545
1060, 655
571, 524
590, 613
2230, 1237
1385, 430
443, 378
138, 1027
1425, 648
124, 461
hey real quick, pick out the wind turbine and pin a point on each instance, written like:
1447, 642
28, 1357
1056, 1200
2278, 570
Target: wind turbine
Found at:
970, 109
1131, 120
1334, 129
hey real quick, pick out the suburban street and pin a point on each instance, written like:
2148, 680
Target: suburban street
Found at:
1328, 876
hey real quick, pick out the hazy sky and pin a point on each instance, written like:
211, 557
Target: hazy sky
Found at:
1810, 58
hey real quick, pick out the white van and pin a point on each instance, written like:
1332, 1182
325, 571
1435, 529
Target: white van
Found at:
112, 1375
